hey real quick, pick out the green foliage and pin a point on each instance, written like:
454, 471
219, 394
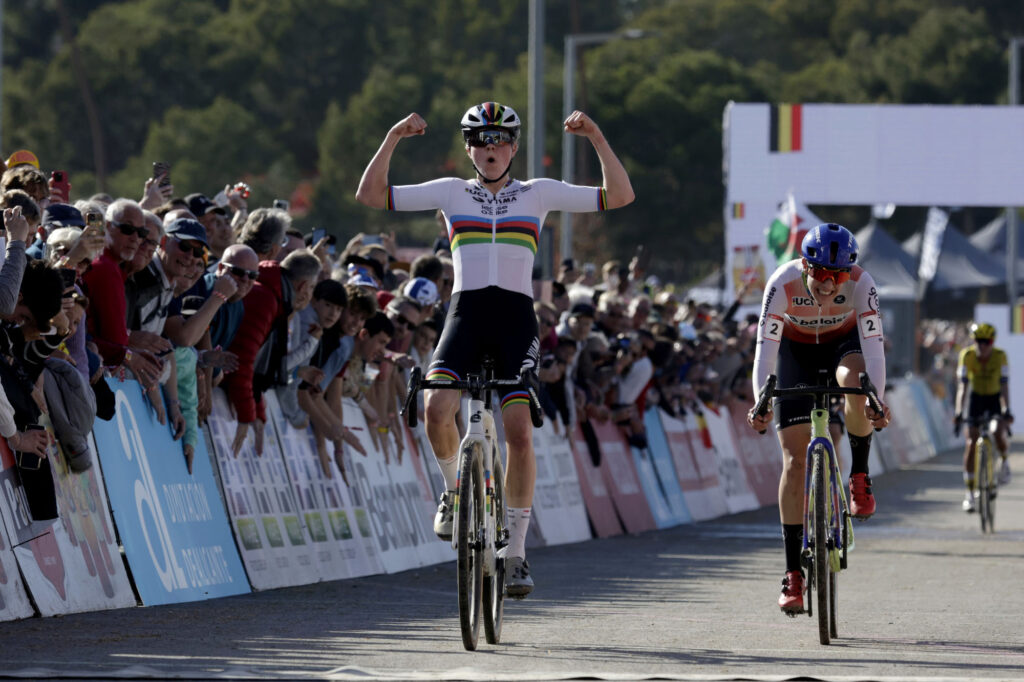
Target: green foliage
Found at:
284, 91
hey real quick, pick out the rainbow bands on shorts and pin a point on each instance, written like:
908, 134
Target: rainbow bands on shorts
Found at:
514, 230
442, 374
515, 398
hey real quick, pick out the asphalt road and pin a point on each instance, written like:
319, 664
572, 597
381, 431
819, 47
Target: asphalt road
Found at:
926, 596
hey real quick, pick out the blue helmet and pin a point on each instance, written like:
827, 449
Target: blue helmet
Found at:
830, 246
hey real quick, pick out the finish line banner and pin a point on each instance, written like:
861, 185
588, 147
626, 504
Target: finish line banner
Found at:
173, 525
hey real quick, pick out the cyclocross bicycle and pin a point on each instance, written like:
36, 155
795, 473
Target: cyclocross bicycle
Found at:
480, 517
828, 526
984, 470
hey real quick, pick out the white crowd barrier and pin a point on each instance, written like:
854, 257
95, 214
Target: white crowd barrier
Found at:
256, 522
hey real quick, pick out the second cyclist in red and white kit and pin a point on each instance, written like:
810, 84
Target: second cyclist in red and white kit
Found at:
819, 312
494, 224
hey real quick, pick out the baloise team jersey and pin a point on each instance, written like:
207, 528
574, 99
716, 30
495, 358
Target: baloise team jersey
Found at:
494, 237
986, 377
789, 312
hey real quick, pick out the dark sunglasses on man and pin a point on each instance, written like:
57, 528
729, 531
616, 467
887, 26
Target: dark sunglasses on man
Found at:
242, 272
127, 229
195, 249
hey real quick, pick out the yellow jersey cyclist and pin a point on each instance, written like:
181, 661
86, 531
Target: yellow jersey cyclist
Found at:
986, 369
493, 223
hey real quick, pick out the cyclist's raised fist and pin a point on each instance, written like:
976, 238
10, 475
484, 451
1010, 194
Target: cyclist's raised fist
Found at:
579, 123
413, 124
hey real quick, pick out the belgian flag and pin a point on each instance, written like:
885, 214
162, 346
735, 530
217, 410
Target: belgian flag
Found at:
785, 128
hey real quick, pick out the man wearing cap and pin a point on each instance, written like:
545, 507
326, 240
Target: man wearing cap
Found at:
214, 220
105, 285
424, 292
151, 290
55, 215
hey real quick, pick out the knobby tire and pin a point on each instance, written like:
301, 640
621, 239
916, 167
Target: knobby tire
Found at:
494, 585
984, 482
470, 565
820, 552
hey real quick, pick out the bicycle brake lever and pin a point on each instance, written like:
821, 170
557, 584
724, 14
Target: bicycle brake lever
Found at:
761, 407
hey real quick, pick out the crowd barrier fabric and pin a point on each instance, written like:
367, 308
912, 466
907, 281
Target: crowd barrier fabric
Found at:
172, 524
72, 563
622, 479
400, 512
14, 601
272, 539
738, 496
344, 547
658, 474
558, 507
596, 495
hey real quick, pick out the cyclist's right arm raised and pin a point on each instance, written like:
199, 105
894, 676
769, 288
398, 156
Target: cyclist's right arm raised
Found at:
373, 186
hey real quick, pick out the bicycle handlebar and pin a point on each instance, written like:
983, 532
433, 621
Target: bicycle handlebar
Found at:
474, 382
770, 391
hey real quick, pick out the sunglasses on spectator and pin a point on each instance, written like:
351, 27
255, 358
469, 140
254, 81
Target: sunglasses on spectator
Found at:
127, 229
983, 342
406, 321
197, 249
482, 138
242, 272
823, 274
547, 322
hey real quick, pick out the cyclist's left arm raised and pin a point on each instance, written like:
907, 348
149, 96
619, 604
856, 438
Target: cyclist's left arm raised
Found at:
615, 180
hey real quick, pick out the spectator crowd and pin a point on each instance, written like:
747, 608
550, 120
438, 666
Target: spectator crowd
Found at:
187, 293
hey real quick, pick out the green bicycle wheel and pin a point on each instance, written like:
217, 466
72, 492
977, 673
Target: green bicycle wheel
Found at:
470, 512
820, 553
494, 584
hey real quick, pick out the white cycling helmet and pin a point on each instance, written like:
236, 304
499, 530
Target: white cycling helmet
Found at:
491, 115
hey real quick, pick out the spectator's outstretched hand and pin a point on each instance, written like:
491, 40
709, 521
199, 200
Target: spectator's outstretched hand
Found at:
240, 433
353, 441
34, 441
177, 421
156, 401
339, 461
153, 195
16, 225
139, 340
190, 454
220, 359
88, 245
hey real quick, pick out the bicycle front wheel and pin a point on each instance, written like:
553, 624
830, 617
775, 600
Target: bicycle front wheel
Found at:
819, 534
470, 512
494, 584
983, 454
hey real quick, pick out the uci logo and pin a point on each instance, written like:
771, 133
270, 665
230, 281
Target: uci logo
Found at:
803, 300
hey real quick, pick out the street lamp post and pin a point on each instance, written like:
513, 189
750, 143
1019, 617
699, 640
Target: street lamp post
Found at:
574, 41
1011, 212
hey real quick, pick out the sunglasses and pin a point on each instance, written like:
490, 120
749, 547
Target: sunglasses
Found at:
482, 138
547, 322
823, 274
127, 229
983, 342
406, 321
197, 250
242, 272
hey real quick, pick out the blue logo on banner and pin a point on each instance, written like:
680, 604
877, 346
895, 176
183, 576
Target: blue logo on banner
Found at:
173, 526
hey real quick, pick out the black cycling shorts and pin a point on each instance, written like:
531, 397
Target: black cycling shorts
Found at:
802, 364
490, 321
978, 405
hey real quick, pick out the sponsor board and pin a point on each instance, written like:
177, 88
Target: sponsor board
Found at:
72, 563
596, 496
14, 601
696, 465
340, 548
270, 532
399, 512
558, 506
172, 524
622, 479
760, 454
738, 496
662, 480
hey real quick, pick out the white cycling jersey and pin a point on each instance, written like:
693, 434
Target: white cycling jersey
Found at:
494, 237
789, 311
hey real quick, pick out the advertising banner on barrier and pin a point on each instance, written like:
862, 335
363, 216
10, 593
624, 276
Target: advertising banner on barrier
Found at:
596, 496
400, 513
343, 547
738, 495
172, 525
272, 538
760, 455
14, 601
658, 475
558, 506
696, 466
622, 479
72, 563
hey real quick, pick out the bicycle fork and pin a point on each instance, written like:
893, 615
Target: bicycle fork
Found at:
480, 429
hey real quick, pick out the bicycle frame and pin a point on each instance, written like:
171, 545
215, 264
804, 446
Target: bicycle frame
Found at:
480, 428
836, 500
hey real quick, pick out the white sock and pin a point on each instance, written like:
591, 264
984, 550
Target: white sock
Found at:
450, 470
518, 524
